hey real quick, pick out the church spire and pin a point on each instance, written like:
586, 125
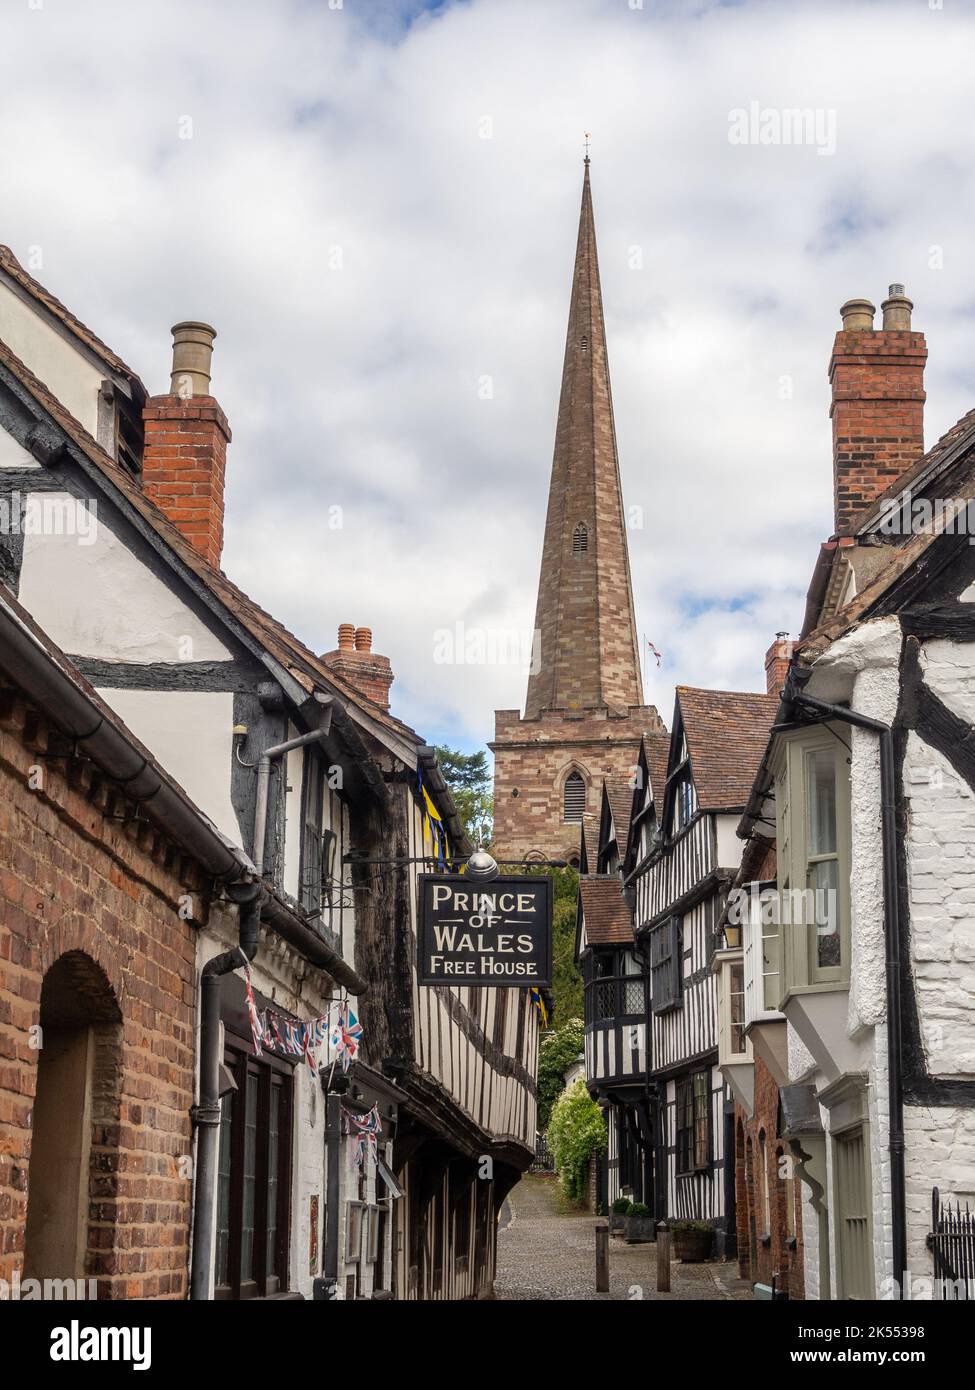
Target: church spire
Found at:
587, 655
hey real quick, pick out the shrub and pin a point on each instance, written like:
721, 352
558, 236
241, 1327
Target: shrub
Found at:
576, 1131
621, 1206
637, 1209
685, 1226
556, 1052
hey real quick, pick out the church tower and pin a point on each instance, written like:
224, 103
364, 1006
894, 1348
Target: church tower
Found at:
584, 712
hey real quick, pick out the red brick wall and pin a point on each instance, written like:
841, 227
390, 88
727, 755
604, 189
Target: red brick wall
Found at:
72, 879
878, 415
763, 1249
184, 466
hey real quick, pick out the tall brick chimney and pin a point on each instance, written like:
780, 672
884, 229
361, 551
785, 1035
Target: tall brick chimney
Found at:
778, 658
877, 410
186, 438
357, 663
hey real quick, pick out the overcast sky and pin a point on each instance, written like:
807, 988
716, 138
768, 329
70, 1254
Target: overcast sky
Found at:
376, 205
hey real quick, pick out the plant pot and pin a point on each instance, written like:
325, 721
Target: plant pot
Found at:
692, 1247
617, 1223
639, 1230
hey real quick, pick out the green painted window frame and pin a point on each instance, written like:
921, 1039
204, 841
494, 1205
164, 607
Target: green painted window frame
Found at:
801, 972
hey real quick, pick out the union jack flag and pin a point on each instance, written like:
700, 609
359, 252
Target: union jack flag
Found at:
345, 1038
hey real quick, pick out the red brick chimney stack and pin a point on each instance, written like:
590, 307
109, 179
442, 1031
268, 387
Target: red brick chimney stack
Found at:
186, 438
877, 410
778, 658
356, 662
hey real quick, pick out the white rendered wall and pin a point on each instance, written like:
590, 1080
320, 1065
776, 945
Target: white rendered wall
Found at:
191, 734
63, 368
95, 598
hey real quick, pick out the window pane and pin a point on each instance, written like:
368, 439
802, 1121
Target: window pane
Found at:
273, 1139
824, 883
223, 1190
822, 803
633, 996
737, 1007
250, 1180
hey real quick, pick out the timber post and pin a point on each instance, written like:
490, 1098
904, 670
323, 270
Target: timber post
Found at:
663, 1258
602, 1257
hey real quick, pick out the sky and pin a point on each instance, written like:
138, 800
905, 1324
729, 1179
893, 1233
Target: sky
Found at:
376, 202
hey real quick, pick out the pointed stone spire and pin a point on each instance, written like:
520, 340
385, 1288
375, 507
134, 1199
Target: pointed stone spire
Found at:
587, 655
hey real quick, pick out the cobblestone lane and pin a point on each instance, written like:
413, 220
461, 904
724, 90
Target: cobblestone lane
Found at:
548, 1252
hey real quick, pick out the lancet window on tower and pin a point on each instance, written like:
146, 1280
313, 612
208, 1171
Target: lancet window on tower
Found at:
573, 798
580, 539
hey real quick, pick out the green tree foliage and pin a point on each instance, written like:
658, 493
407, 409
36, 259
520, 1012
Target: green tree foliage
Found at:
557, 1051
576, 1131
469, 780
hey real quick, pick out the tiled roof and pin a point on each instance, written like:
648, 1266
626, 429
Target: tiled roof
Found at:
605, 912
658, 756
12, 267
619, 794
727, 732
590, 835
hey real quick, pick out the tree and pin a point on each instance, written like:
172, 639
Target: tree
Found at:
469, 780
576, 1132
556, 1052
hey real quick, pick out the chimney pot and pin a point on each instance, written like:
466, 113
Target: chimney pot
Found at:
363, 639
346, 637
897, 311
192, 355
857, 316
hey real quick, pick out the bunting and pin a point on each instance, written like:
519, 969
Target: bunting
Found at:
299, 1038
367, 1129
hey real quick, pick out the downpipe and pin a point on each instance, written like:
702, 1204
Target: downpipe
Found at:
892, 939
206, 1114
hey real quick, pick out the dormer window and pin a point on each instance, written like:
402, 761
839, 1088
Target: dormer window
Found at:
573, 798
580, 539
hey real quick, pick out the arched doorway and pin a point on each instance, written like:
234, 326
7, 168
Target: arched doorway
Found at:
74, 1145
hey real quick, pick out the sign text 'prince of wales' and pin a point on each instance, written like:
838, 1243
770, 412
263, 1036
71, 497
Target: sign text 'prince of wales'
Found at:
497, 933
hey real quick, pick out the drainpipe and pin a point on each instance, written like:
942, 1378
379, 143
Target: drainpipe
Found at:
206, 1115
892, 933
263, 779
333, 1144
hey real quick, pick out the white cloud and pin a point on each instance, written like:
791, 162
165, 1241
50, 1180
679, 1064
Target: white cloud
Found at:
315, 128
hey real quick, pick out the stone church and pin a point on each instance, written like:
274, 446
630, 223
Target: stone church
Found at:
584, 711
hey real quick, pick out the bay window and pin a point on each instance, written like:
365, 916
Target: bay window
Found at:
812, 796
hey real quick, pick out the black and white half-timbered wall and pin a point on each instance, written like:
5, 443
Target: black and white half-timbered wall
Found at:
111, 524
866, 792
682, 857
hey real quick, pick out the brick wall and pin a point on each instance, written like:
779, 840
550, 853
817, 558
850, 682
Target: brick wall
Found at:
184, 466
878, 416
763, 1244
532, 758
81, 885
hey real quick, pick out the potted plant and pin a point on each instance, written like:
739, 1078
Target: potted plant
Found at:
639, 1224
617, 1215
692, 1240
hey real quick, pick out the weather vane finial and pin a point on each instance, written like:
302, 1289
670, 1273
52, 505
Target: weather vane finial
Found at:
588, 134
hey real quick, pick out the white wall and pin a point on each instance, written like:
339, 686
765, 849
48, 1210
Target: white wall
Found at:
191, 734
95, 598
64, 369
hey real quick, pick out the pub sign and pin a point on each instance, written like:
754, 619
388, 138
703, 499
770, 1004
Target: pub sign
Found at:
484, 934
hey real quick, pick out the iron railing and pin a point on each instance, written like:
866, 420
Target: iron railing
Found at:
952, 1245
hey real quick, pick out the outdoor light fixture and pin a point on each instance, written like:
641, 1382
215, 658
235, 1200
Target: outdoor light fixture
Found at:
481, 866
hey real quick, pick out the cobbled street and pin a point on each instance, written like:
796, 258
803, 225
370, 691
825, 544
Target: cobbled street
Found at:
547, 1251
